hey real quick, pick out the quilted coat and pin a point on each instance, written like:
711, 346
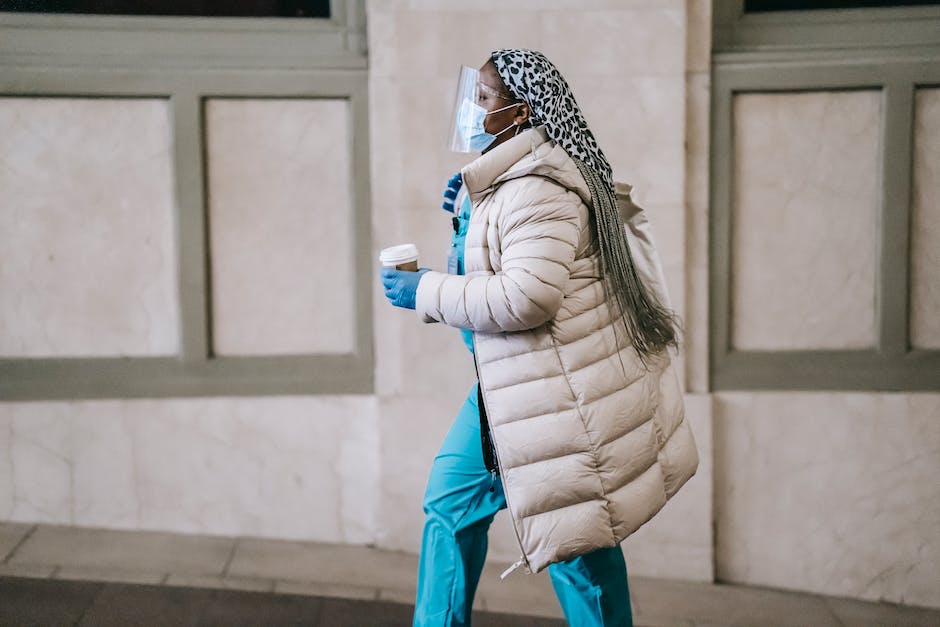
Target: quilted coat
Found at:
590, 441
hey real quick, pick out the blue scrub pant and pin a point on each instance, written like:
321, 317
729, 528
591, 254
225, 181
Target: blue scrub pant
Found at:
461, 500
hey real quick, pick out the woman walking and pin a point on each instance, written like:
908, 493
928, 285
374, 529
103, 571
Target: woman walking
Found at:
576, 423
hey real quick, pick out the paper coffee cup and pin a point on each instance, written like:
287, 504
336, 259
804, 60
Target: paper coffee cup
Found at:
401, 257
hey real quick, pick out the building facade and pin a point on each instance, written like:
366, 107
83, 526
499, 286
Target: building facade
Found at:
193, 339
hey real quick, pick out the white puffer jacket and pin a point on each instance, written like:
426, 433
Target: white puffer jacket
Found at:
590, 444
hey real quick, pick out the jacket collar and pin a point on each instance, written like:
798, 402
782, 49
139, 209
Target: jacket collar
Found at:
530, 152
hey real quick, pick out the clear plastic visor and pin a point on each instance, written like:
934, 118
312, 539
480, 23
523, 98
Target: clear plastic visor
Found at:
472, 101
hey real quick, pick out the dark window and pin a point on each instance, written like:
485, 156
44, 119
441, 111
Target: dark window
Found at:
760, 6
216, 8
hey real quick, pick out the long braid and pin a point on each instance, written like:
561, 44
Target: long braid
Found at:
651, 326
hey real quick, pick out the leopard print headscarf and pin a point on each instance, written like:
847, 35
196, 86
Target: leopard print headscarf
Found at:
531, 77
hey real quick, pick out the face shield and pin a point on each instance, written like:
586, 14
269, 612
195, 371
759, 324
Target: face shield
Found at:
466, 131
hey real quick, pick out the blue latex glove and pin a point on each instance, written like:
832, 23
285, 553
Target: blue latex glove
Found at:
453, 186
401, 286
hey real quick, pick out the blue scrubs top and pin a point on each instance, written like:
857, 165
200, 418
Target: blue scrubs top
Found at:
455, 263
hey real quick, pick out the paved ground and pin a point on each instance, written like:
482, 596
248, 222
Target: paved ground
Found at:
29, 601
52, 575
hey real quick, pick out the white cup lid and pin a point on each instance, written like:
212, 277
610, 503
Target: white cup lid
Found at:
395, 255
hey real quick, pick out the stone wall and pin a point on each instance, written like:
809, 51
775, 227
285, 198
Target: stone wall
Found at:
829, 492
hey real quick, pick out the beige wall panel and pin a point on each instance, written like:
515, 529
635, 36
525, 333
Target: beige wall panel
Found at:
35, 469
925, 222
698, 47
804, 221
301, 468
411, 431
280, 220
657, 44
531, 6
677, 543
644, 140
832, 493
86, 228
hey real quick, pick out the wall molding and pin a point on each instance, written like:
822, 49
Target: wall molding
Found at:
762, 65
834, 29
153, 42
81, 57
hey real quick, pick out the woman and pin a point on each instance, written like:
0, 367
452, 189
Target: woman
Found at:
576, 423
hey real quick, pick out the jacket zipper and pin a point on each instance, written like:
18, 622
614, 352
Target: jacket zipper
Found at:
523, 560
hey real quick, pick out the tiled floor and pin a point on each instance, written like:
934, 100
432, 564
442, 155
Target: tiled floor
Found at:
69, 575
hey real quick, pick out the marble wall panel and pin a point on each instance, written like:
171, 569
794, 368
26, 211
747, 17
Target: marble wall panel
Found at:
698, 49
86, 228
677, 543
624, 42
105, 461
626, 38
35, 464
697, 109
431, 43
833, 493
294, 467
281, 237
412, 428
384, 6
668, 229
925, 222
639, 122
804, 220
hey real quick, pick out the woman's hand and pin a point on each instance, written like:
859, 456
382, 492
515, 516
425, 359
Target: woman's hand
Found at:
450, 194
401, 286
538, 233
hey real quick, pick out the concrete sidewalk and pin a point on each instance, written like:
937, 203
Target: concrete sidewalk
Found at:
325, 573
100, 604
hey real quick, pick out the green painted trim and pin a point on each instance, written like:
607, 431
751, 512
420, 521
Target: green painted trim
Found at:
721, 167
354, 23
186, 42
891, 365
206, 83
362, 221
894, 228
167, 377
191, 225
828, 370
819, 58
823, 29
809, 76
186, 83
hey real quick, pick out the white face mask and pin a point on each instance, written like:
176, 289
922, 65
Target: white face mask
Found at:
470, 119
